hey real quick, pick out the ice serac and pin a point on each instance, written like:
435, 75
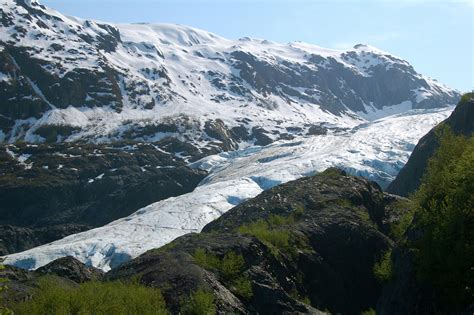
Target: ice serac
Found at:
67, 79
370, 150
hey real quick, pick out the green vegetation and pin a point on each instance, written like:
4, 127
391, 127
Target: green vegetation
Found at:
383, 268
466, 98
331, 173
54, 297
199, 303
3, 309
368, 312
398, 229
275, 238
303, 299
230, 269
273, 232
445, 215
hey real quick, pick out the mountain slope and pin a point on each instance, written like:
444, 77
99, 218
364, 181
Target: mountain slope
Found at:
461, 121
49, 191
335, 229
102, 82
370, 150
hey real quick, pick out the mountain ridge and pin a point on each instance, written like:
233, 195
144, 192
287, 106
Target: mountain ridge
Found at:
100, 82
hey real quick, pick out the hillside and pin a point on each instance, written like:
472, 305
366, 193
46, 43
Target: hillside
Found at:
461, 122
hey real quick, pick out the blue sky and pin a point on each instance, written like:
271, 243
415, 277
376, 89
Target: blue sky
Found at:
436, 37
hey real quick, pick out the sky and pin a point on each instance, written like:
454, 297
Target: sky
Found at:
436, 37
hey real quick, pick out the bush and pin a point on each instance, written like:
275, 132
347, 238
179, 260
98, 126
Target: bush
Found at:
370, 311
199, 303
3, 287
399, 228
279, 238
206, 260
466, 98
383, 268
271, 231
230, 269
445, 215
52, 297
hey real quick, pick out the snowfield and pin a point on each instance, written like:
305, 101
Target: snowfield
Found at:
371, 150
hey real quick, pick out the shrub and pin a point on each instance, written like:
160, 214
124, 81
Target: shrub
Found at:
398, 229
262, 230
272, 231
230, 269
383, 268
206, 259
466, 98
445, 215
199, 303
231, 265
54, 297
3, 287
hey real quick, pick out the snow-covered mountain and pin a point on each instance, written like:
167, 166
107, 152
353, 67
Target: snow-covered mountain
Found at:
370, 150
64, 78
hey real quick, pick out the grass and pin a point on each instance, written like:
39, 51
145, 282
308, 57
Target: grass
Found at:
52, 297
230, 269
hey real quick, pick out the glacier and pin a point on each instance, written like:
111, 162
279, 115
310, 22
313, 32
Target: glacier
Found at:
377, 150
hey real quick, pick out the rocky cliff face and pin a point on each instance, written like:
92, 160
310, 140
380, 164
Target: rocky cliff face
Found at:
336, 228
96, 81
50, 191
461, 121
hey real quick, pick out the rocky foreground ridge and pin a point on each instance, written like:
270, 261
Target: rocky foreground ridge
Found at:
314, 248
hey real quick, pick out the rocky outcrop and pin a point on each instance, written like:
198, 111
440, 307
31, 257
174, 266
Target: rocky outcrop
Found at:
50, 191
72, 269
334, 226
461, 121
21, 284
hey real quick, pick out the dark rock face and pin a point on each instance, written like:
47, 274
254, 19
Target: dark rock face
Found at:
403, 294
335, 241
218, 130
72, 269
50, 191
18, 238
408, 180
